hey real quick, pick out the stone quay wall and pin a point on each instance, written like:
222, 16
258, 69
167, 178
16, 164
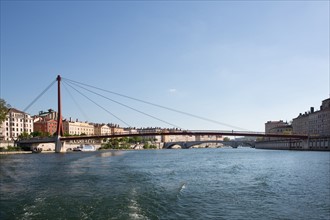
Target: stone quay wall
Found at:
313, 143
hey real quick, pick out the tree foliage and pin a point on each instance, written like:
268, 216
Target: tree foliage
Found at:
3, 110
40, 134
24, 136
226, 139
127, 142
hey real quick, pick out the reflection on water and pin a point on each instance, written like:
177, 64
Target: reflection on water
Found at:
223, 183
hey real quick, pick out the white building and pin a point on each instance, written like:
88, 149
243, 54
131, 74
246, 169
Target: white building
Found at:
16, 123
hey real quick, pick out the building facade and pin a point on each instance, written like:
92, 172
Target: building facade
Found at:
16, 123
102, 129
313, 123
78, 128
46, 122
209, 138
277, 127
45, 126
155, 138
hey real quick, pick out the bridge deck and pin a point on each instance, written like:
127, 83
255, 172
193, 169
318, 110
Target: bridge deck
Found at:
192, 133
189, 133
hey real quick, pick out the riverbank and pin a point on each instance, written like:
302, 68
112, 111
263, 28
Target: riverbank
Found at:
311, 144
15, 152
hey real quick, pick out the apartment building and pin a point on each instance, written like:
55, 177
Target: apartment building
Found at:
45, 126
102, 129
46, 122
16, 123
77, 128
314, 123
277, 127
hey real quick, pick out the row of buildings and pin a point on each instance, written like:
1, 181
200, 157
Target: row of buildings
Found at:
18, 123
312, 123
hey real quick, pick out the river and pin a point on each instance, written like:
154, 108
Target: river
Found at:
223, 183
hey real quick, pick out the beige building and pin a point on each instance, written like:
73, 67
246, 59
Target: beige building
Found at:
78, 128
156, 138
277, 127
118, 130
314, 123
209, 138
102, 129
16, 123
177, 138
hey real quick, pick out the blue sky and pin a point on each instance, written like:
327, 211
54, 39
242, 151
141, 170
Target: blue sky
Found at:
238, 62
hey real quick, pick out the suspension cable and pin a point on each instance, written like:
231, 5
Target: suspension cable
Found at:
98, 105
75, 101
119, 103
161, 106
43, 92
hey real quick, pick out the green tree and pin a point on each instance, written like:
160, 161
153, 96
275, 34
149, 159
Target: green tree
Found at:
36, 134
226, 139
3, 110
24, 135
260, 138
147, 145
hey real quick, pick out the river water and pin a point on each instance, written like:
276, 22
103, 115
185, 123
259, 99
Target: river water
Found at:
222, 183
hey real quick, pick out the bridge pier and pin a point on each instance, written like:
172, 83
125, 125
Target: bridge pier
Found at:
59, 148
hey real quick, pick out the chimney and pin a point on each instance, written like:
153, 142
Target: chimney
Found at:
312, 109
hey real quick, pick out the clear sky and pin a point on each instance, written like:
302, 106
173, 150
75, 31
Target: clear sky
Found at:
242, 63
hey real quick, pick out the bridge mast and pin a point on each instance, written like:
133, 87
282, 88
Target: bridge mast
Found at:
59, 129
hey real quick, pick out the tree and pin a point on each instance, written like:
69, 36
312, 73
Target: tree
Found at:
36, 134
24, 135
3, 110
226, 139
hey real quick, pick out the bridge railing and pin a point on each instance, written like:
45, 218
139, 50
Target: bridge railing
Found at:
226, 132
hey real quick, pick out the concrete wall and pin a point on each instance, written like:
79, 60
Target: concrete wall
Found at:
319, 144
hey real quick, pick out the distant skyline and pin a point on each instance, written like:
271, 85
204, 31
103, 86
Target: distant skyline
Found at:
241, 63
